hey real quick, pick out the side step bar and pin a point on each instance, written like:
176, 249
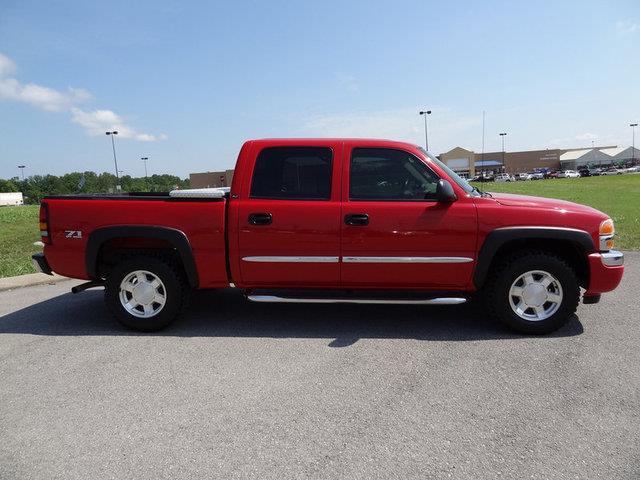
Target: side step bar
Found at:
427, 301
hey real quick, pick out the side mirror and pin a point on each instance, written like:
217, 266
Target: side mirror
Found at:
445, 193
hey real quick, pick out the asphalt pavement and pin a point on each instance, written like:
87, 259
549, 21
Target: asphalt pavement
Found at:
241, 390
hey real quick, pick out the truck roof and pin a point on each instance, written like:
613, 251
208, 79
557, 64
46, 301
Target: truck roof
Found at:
311, 140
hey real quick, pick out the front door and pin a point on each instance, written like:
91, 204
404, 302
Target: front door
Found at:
289, 217
394, 232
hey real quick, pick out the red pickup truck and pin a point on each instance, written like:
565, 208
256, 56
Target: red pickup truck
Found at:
335, 220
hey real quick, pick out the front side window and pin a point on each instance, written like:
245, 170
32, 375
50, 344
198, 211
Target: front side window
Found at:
389, 174
462, 182
293, 173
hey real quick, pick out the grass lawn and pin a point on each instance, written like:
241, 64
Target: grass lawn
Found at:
18, 231
618, 196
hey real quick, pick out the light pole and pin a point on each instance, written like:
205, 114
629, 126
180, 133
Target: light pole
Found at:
633, 142
22, 167
426, 135
144, 159
115, 160
502, 135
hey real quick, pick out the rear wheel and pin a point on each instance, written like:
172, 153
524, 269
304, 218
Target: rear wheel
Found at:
145, 293
533, 292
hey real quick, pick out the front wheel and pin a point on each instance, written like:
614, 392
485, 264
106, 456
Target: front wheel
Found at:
533, 292
145, 293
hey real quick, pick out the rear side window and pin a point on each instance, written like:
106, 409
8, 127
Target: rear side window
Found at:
389, 174
293, 173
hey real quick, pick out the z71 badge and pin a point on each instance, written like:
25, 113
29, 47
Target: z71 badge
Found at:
73, 233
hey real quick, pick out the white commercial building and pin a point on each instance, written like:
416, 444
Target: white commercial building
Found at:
11, 198
622, 154
574, 159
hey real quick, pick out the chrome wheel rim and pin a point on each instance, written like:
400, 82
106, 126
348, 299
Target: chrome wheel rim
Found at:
142, 294
535, 295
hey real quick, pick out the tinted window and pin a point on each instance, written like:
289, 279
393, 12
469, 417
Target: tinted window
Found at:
294, 173
386, 174
462, 183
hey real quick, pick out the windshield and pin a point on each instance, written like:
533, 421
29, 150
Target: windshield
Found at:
462, 183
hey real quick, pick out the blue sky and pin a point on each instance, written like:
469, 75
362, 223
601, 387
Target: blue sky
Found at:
187, 82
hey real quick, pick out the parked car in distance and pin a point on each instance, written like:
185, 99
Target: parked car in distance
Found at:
612, 171
334, 220
551, 174
504, 177
584, 172
635, 169
570, 174
535, 176
483, 178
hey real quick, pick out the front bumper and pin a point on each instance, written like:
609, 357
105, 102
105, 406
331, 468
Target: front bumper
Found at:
612, 258
605, 272
40, 263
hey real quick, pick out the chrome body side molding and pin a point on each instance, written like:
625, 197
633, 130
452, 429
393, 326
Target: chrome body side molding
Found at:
291, 259
430, 301
407, 259
541, 227
385, 259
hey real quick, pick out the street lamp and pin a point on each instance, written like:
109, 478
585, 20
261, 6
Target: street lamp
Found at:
426, 136
633, 142
144, 159
502, 135
22, 167
113, 145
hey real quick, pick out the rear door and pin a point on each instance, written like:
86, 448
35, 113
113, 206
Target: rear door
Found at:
289, 216
394, 232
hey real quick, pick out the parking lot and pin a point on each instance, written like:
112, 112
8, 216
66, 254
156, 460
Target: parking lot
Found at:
240, 390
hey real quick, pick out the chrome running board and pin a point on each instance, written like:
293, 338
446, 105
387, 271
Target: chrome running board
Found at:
427, 301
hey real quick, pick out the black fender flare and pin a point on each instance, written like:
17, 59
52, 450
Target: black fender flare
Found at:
176, 238
500, 236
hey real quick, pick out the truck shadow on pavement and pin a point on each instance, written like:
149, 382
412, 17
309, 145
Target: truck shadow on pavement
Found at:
226, 313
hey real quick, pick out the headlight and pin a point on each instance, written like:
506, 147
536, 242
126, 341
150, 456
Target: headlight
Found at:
607, 232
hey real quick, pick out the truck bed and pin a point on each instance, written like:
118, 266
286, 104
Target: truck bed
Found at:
74, 220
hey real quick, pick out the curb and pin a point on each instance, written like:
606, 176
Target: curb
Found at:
29, 280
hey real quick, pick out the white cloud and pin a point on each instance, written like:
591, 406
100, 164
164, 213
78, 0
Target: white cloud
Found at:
7, 67
94, 122
586, 140
579, 140
347, 81
41, 97
628, 26
97, 122
446, 128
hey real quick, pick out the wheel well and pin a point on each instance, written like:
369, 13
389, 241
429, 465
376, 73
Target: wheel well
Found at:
572, 252
112, 252
107, 245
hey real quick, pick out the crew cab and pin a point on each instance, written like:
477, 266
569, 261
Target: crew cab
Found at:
335, 220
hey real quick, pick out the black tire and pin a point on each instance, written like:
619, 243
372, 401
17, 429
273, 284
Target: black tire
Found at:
507, 271
174, 289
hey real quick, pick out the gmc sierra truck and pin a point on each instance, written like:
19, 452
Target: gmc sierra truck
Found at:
335, 220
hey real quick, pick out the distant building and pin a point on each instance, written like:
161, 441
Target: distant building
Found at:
11, 199
469, 163
211, 179
622, 154
573, 159
461, 160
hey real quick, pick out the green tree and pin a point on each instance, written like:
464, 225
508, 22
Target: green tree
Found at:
8, 186
35, 187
